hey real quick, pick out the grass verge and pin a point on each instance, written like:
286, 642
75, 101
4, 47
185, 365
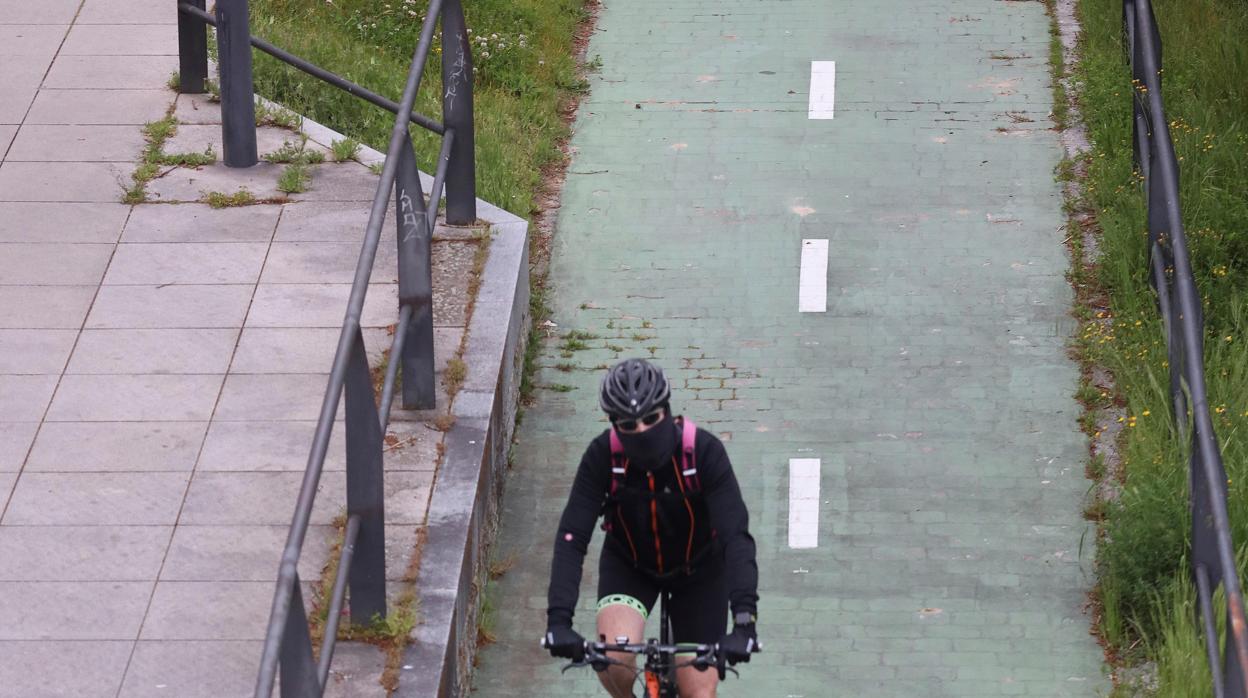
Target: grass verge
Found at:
524, 69
1145, 603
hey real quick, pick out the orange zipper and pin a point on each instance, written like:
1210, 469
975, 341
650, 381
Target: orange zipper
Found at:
654, 523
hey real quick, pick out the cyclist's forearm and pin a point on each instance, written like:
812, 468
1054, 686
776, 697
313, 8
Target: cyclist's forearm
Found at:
739, 555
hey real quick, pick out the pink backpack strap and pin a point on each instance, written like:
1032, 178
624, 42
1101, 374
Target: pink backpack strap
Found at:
688, 464
619, 462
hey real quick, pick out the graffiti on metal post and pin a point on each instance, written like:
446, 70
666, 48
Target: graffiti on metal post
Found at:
409, 215
457, 77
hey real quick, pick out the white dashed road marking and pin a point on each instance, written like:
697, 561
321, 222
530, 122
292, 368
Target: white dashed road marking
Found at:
812, 282
804, 502
822, 89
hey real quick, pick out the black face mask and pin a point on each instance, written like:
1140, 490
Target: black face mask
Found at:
652, 448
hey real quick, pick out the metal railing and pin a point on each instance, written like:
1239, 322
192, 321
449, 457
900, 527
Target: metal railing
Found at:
1179, 302
361, 565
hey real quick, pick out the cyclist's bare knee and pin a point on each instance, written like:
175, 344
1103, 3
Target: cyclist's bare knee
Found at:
697, 684
620, 621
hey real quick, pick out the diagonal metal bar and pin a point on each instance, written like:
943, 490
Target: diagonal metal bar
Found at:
392, 368
334, 616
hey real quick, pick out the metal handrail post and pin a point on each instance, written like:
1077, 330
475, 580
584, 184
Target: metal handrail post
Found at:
415, 283
192, 51
366, 580
238, 106
461, 182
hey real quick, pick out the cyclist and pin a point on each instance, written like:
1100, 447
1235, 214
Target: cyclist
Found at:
674, 519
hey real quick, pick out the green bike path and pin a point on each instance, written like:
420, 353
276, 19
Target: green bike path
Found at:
945, 553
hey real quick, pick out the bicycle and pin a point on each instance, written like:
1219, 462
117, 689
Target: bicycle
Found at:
660, 667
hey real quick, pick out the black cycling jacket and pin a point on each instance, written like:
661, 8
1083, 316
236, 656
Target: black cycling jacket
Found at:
720, 524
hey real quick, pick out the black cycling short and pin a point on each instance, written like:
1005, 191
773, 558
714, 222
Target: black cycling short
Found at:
699, 602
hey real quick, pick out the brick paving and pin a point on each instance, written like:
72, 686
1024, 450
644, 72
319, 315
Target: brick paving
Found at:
936, 390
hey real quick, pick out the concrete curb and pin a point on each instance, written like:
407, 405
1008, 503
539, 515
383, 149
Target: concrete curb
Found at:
463, 507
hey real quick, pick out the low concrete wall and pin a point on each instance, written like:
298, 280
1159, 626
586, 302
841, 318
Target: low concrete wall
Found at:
463, 509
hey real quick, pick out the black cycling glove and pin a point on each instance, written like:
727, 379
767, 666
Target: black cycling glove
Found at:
564, 642
738, 644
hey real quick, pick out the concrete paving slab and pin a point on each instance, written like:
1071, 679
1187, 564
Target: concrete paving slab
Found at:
273, 397
326, 262
347, 181
70, 669
110, 72
298, 349
356, 671
120, 40
197, 109
116, 446
35, 351
196, 138
401, 547
7, 481
53, 264
96, 499
15, 441
7, 132
30, 39
136, 307
267, 446
63, 181
152, 351
412, 445
39, 307
192, 669
44, 143
24, 398
208, 611
45, 12
129, 398
407, 496
314, 221
186, 184
132, 12
241, 553
201, 223
62, 222
320, 305
186, 263
72, 610
82, 553
96, 106
14, 103
23, 71
230, 499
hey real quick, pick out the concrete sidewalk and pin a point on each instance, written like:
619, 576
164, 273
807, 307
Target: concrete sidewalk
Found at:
909, 452
161, 369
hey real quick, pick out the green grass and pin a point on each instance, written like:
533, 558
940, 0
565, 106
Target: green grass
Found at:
520, 83
1144, 611
217, 199
294, 179
296, 153
344, 149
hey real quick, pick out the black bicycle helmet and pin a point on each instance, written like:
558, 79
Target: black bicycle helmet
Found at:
632, 389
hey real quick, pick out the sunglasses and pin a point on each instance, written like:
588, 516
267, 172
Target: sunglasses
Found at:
630, 426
